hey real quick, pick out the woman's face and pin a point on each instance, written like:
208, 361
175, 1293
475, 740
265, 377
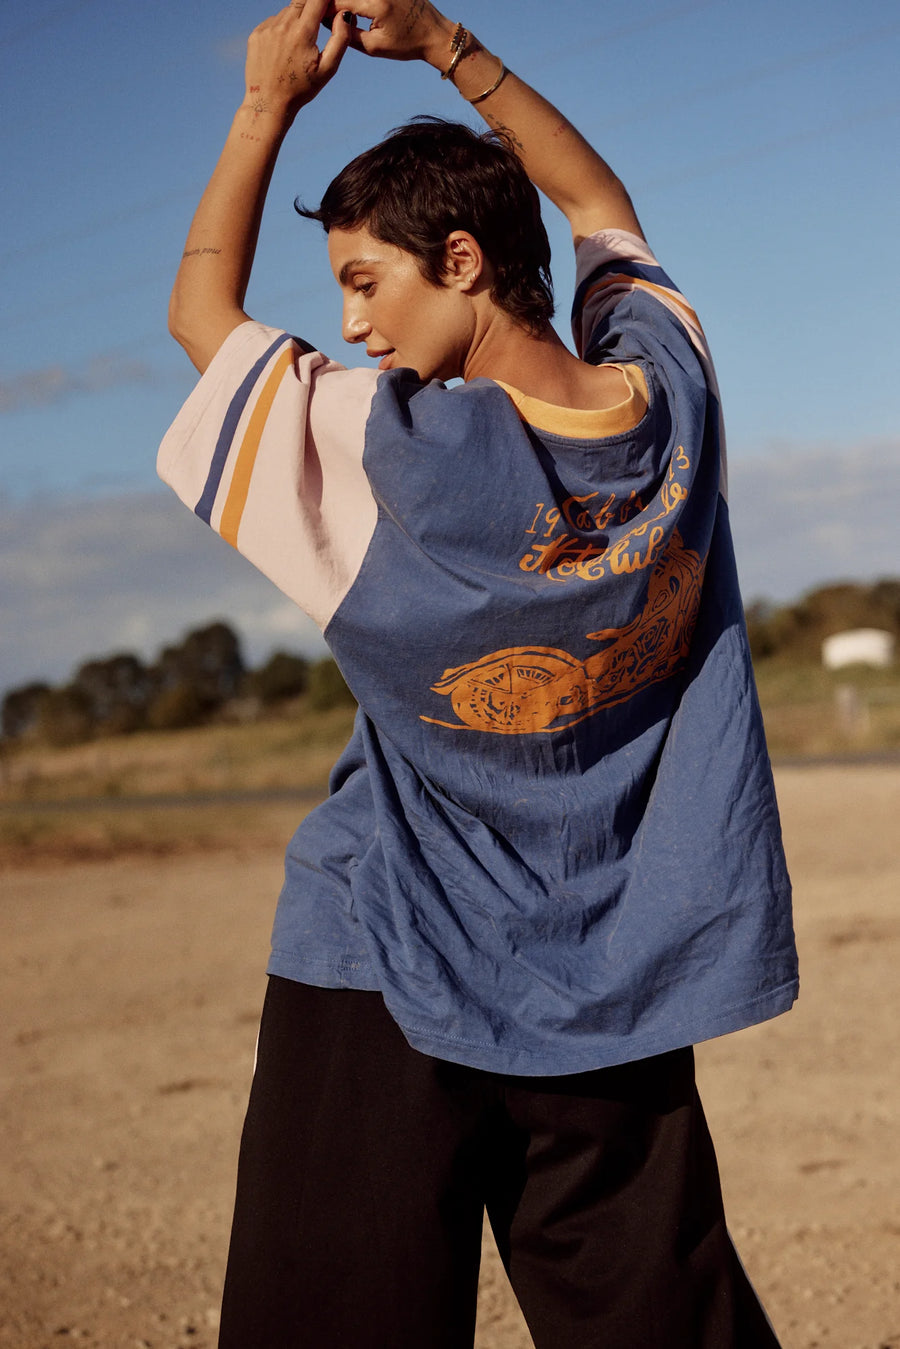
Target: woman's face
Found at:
403, 319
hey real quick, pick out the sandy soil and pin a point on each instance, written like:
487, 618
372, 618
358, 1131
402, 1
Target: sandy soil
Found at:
128, 1010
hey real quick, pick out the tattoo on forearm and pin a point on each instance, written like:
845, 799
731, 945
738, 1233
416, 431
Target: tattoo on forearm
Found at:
199, 252
506, 132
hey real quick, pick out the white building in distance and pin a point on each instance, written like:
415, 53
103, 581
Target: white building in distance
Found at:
859, 646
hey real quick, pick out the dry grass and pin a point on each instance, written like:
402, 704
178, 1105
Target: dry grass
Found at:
166, 792
150, 793
294, 751
60, 836
812, 712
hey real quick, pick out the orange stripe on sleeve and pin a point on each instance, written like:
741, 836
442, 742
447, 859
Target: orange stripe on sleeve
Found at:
623, 279
243, 469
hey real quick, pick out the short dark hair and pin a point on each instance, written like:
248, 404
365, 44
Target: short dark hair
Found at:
430, 177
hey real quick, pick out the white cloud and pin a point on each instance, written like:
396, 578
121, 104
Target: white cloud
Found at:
804, 517
54, 383
132, 573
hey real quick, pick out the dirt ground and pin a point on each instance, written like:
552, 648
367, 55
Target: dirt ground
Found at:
128, 1009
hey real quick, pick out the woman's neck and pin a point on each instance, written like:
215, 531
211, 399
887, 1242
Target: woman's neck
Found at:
541, 366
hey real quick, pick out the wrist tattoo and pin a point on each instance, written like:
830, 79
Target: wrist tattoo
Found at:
198, 252
413, 15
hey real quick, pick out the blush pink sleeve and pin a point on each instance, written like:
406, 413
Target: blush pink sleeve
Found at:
268, 450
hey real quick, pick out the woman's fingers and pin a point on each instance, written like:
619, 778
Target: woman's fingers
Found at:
285, 67
309, 13
334, 49
401, 29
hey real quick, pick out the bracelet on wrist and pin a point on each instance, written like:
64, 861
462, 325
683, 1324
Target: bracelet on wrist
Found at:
496, 85
457, 50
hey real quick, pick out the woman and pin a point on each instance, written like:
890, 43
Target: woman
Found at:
550, 861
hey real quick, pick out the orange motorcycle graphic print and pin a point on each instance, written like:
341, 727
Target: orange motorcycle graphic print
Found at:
525, 689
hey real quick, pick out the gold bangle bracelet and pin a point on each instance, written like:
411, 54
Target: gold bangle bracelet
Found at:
457, 47
496, 85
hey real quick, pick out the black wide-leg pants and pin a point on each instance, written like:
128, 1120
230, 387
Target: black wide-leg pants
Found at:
366, 1168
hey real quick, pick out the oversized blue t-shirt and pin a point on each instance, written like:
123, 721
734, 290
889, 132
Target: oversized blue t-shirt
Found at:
552, 842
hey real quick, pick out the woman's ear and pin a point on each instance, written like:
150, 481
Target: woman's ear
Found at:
464, 261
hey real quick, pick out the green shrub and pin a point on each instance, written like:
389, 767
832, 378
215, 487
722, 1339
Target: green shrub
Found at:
326, 687
175, 708
283, 676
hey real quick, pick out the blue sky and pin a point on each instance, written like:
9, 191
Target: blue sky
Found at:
759, 143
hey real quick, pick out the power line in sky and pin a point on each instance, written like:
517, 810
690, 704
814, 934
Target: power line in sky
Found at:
99, 224
684, 173
606, 37
726, 85
717, 163
784, 66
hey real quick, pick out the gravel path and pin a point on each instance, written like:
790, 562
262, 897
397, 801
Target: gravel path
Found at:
129, 1002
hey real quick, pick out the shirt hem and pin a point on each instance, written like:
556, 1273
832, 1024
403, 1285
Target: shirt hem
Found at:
345, 972
623, 1049
552, 1060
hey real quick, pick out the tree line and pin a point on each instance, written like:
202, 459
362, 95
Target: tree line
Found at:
798, 629
204, 676
197, 680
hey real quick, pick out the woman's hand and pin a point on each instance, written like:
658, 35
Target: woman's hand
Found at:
402, 30
285, 68
555, 156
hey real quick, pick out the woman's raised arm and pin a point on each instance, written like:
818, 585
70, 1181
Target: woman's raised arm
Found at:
556, 157
285, 70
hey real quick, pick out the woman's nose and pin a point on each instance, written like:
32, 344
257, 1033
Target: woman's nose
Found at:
354, 328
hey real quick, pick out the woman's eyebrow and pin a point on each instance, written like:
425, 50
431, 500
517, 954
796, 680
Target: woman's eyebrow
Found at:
349, 267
